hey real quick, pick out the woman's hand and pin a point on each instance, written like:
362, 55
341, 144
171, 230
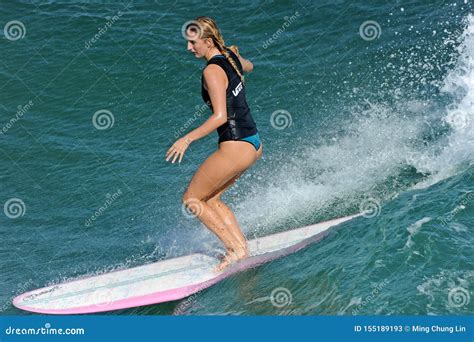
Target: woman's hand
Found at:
178, 149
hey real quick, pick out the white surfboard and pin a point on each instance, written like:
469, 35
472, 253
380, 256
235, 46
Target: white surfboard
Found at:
163, 281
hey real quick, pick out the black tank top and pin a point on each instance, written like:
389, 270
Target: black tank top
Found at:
240, 123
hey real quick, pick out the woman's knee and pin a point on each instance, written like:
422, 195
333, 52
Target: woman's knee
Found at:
188, 197
192, 204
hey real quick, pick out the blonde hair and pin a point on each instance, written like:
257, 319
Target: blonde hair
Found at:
208, 29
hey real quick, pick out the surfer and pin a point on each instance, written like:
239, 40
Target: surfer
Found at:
239, 144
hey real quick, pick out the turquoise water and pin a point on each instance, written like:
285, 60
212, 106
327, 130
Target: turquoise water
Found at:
351, 119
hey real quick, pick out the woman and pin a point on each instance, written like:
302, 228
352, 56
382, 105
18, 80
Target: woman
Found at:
239, 144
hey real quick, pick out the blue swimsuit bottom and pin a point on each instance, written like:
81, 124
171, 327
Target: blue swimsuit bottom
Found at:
254, 140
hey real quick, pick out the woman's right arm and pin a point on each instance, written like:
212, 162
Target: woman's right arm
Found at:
246, 64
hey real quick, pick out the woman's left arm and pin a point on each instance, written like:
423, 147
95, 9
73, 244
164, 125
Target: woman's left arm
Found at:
215, 82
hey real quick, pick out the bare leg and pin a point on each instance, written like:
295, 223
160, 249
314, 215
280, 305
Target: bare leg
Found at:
230, 221
203, 195
240, 248
226, 213
228, 216
211, 219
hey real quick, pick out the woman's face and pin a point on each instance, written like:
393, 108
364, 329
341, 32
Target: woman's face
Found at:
196, 45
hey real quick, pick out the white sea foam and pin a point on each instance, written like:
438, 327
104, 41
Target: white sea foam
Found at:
379, 140
459, 84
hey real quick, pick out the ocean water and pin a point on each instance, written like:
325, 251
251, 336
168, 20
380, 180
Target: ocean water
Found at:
360, 106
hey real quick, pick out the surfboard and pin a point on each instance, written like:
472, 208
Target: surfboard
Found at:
165, 280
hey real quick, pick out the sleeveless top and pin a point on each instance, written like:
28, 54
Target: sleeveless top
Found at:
240, 123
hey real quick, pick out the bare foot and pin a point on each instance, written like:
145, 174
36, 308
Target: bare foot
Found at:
227, 260
232, 257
